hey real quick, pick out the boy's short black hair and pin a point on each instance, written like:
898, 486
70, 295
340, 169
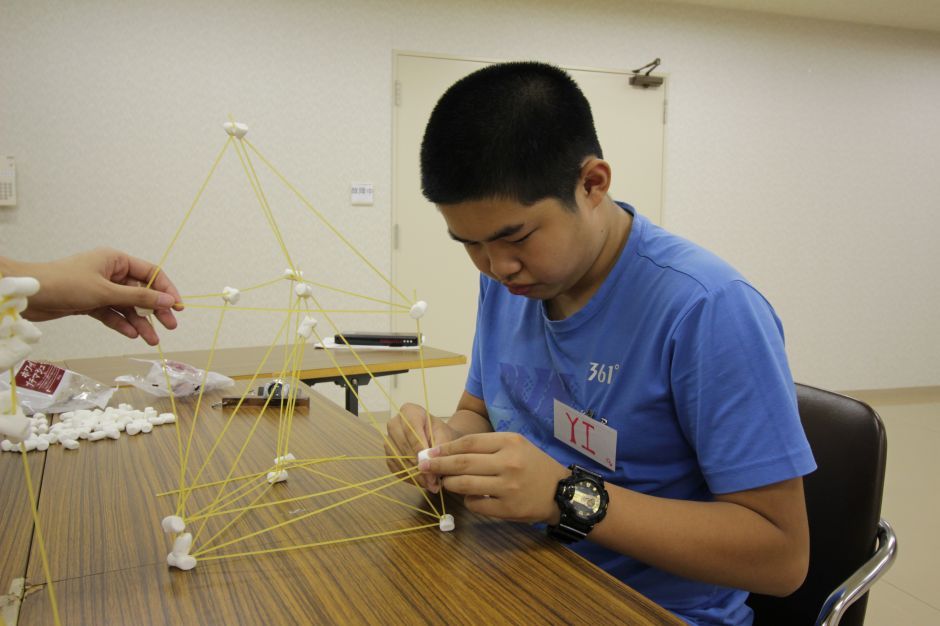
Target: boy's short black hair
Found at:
519, 131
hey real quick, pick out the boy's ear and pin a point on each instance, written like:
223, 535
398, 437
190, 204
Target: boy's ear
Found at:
595, 180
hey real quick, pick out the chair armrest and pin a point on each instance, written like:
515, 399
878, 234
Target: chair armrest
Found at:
858, 584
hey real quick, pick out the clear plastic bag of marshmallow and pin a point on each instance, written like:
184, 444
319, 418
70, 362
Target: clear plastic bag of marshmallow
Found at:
184, 379
48, 388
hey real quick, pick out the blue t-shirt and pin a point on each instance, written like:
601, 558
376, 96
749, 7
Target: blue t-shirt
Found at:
683, 358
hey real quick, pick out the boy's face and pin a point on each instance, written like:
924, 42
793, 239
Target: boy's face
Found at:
539, 251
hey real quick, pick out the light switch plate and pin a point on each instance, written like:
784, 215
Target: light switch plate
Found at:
362, 193
7, 181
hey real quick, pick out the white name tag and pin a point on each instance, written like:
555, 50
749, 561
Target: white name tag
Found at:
591, 438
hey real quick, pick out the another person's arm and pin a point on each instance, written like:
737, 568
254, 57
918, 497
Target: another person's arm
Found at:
103, 283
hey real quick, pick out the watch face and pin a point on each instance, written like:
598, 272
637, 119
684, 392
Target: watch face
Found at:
586, 499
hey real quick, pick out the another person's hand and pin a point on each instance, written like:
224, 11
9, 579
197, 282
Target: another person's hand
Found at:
499, 474
105, 284
409, 432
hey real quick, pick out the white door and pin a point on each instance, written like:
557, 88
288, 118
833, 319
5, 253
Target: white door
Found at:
629, 122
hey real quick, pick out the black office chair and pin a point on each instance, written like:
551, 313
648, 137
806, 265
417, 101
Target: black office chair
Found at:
851, 547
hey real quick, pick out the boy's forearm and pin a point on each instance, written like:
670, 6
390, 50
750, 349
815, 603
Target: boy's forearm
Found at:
469, 422
719, 542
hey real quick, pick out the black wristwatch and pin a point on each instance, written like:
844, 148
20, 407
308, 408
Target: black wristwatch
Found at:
582, 501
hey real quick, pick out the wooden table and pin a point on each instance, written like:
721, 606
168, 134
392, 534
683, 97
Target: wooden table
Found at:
342, 367
101, 521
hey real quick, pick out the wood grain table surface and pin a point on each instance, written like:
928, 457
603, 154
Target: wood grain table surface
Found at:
101, 519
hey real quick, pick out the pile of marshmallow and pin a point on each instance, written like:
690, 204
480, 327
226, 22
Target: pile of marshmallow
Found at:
92, 425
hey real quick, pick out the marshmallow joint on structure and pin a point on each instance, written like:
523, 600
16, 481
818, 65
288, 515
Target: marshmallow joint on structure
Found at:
231, 295
13, 425
173, 524
236, 129
180, 557
418, 309
306, 327
16, 334
447, 523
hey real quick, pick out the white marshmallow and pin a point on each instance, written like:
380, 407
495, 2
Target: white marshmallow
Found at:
235, 129
180, 557
418, 309
145, 426
284, 459
173, 524
291, 274
6, 445
15, 426
23, 286
70, 444
12, 351
182, 544
26, 331
133, 428
13, 305
306, 327
231, 295
424, 455
277, 477
447, 523
184, 562
96, 436
303, 290
167, 418
142, 311
113, 433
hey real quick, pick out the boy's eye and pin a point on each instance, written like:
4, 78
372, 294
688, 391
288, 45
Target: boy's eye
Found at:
521, 239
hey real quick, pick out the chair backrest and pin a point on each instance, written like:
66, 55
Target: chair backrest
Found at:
843, 503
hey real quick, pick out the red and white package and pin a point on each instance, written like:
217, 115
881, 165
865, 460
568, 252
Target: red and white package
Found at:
51, 389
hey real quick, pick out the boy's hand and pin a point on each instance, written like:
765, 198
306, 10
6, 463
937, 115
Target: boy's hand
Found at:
499, 474
409, 432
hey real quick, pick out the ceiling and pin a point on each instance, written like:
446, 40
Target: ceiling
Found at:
915, 14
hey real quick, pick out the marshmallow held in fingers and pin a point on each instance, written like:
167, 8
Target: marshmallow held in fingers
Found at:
418, 309
231, 295
424, 455
447, 523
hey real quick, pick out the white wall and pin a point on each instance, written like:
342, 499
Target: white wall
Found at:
805, 152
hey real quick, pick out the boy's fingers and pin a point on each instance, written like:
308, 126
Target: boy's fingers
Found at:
462, 464
481, 443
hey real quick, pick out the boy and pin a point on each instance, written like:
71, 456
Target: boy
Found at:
627, 388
